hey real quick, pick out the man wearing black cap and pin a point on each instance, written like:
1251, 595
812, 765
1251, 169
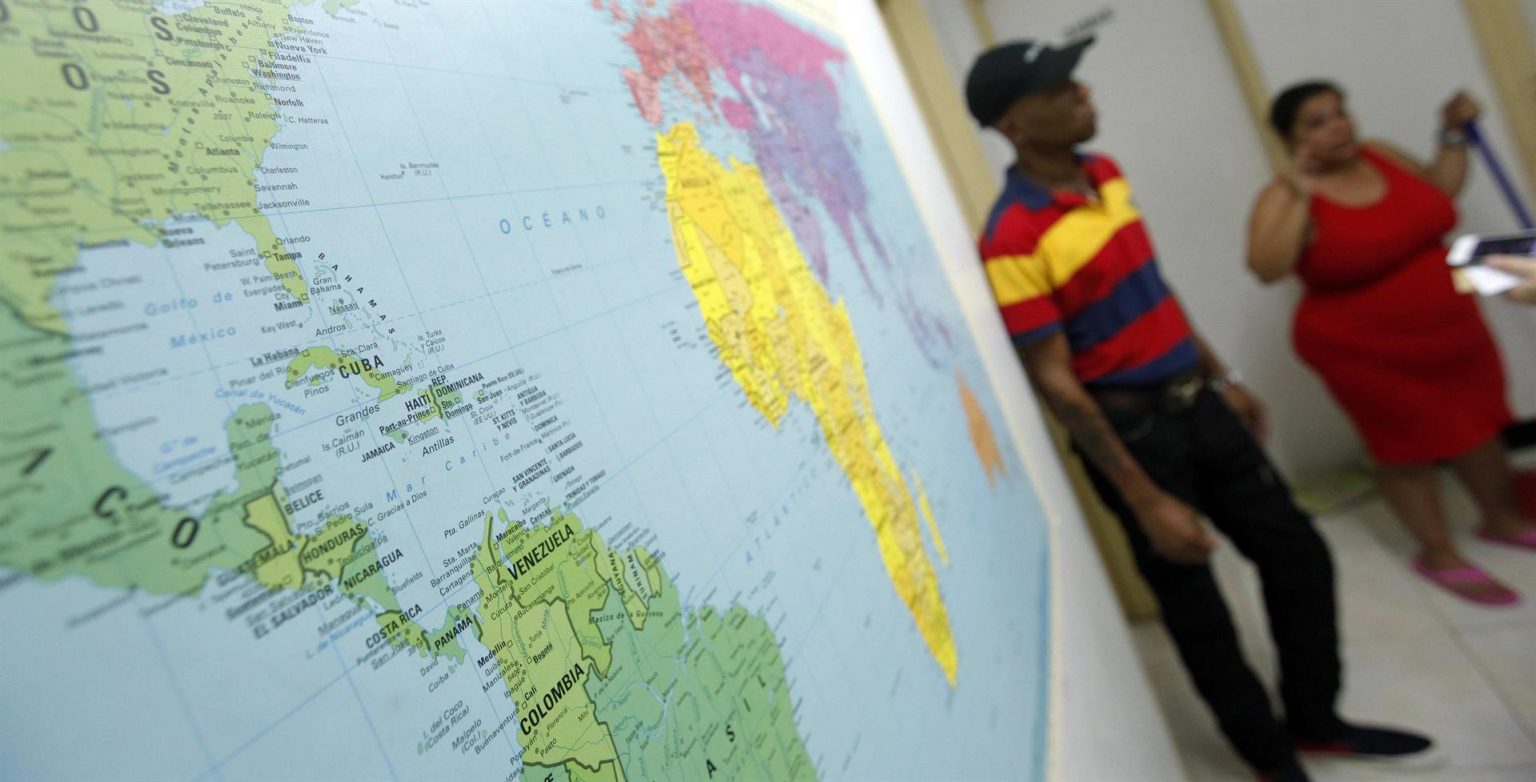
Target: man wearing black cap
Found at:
1165, 430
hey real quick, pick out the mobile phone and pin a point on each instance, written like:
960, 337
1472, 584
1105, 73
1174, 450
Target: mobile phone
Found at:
1468, 252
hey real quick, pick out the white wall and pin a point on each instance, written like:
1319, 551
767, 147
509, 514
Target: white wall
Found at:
1104, 722
1171, 113
1399, 60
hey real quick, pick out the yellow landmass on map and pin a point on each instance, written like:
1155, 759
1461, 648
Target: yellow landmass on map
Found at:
982, 440
280, 568
782, 337
933, 526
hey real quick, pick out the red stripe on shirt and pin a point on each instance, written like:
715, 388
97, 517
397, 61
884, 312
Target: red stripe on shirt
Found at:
1153, 335
1030, 314
1129, 250
1100, 169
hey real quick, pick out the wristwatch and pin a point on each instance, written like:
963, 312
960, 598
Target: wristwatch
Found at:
1226, 380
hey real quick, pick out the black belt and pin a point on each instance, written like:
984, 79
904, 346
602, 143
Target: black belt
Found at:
1173, 395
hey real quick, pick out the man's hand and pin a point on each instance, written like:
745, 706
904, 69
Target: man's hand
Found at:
1174, 529
1171, 526
1249, 410
1525, 269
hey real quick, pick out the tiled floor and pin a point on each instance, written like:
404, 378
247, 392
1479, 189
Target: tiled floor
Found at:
1413, 655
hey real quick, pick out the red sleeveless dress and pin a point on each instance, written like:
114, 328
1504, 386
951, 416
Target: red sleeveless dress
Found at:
1407, 357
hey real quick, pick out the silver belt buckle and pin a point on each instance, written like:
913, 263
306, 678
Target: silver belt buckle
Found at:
1183, 392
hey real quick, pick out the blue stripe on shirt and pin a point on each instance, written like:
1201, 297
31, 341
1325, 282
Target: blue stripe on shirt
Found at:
1036, 334
1134, 296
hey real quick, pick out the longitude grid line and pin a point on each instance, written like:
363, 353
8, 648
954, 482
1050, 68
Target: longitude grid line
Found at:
805, 401
672, 456
469, 249
384, 232
171, 267
331, 339
148, 623
650, 647
816, 618
251, 740
181, 695
842, 574
697, 519
746, 538
591, 389
628, 356
670, 252
670, 451
565, 325
445, 601
371, 327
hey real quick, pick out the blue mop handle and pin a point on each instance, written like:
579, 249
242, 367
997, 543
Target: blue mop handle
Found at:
1511, 195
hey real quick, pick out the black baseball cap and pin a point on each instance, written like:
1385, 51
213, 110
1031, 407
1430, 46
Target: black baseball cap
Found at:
1003, 74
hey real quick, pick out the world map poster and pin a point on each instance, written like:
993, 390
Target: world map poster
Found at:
489, 389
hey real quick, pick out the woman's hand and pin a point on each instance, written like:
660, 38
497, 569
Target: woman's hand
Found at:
1305, 165
1459, 110
1448, 171
1525, 269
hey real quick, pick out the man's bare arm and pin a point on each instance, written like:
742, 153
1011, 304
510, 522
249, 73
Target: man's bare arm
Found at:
1171, 525
1049, 366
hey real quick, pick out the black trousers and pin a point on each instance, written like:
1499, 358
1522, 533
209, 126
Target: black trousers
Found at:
1204, 456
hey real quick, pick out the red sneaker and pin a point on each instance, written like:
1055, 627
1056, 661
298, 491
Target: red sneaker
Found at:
1363, 742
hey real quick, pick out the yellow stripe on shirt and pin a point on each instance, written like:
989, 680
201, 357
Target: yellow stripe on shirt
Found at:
1017, 278
1074, 240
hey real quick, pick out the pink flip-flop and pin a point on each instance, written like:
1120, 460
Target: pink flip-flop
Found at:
1454, 580
1525, 540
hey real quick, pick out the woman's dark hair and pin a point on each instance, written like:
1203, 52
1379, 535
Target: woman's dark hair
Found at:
1283, 111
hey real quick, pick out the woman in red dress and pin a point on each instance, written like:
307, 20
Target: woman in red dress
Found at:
1407, 357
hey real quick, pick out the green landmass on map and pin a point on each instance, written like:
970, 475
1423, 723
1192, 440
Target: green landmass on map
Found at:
122, 120
629, 676
118, 118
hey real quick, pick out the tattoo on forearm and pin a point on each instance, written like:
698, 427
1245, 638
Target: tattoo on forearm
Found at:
1093, 434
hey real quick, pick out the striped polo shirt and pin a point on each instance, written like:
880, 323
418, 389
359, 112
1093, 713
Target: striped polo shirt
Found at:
1060, 261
